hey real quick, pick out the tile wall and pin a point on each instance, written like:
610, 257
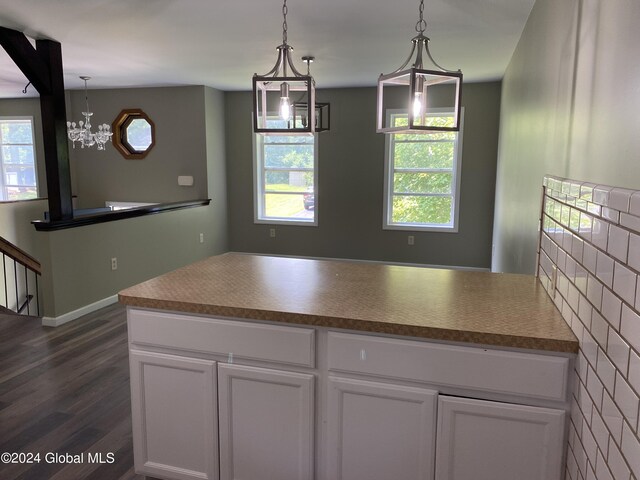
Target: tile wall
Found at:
590, 238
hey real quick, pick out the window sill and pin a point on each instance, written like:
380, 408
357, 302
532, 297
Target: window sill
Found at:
420, 228
81, 221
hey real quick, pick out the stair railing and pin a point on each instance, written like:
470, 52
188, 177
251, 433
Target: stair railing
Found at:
21, 260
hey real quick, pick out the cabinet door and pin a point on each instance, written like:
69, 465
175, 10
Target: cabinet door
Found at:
173, 402
266, 424
482, 440
380, 432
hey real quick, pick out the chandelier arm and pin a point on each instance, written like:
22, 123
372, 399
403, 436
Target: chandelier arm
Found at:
426, 47
291, 65
406, 62
276, 68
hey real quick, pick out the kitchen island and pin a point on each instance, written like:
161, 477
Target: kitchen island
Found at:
257, 367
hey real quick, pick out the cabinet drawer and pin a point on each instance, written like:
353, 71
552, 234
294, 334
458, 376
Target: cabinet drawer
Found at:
241, 340
488, 370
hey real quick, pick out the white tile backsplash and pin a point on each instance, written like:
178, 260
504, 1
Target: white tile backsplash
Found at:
617, 463
634, 371
634, 205
602, 469
624, 283
604, 269
598, 251
634, 251
630, 221
589, 257
618, 351
612, 417
626, 399
618, 244
611, 308
631, 449
630, 326
601, 194
600, 233
606, 371
619, 199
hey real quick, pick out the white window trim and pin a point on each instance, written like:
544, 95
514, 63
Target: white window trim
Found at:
388, 183
35, 160
258, 193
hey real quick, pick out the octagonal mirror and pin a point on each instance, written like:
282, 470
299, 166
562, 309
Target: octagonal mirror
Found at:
133, 134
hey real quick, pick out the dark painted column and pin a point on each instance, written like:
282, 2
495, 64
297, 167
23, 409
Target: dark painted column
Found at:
43, 68
54, 133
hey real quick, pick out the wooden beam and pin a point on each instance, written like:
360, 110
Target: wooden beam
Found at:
26, 58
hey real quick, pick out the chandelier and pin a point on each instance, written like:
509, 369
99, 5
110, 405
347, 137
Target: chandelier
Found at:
404, 92
82, 133
272, 91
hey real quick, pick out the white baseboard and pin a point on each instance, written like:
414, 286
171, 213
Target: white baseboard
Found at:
67, 317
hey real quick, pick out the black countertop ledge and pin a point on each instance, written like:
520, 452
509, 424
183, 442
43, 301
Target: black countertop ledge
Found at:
83, 220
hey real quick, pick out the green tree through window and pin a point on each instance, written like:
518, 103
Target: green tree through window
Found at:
18, 179
421, 176
285, 177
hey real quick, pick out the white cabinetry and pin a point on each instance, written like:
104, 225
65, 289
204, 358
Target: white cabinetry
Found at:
378, 431
266, 424
299, 403
481, 440
175, 432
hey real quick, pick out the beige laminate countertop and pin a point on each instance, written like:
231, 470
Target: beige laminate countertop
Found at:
454, 305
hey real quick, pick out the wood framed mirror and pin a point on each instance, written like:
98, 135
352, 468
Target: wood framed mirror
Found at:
134, 134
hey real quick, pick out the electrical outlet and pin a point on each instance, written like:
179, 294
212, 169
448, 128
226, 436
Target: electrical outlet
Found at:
411, 240
272, 232
202, 238
114, 263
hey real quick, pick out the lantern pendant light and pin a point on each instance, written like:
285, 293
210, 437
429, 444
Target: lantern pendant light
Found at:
273, 90
323, 110
412, 92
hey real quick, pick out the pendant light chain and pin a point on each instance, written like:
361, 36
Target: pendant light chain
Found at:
86, 94
421, 25
284, 23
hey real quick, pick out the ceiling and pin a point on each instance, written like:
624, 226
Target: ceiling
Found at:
222, 43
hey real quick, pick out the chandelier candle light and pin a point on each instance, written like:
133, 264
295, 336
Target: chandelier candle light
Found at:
273, 90
82, 133
405, 91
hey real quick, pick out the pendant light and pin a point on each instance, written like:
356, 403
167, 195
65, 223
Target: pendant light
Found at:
82, 133
323, 110
406, 92
273, 92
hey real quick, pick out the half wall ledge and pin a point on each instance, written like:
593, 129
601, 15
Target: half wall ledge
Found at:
82, 220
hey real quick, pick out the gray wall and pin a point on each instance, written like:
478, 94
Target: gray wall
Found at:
179, 117
570, 103
350, 191
29, 107
80, 271
77, 262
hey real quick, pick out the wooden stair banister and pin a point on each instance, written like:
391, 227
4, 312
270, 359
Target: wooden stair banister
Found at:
20, 256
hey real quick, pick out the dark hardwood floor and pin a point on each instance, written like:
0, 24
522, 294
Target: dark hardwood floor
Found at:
65, 390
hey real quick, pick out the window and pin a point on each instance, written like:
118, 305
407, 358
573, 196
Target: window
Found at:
17, 159
133, 134
285, 178
422, 177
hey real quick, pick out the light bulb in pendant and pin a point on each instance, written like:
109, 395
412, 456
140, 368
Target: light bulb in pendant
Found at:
285, 104
419, 98
417, 105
